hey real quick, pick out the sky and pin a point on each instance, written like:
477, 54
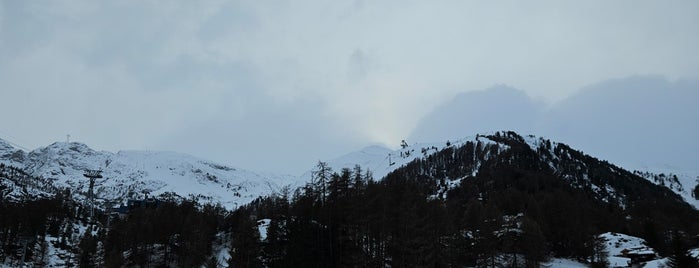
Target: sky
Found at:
647, 122
279, 85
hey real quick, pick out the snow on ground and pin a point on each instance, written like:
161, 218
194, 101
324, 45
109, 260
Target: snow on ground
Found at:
56, 257
130, 174
659, 263
221, 250
616, 243
262, 226
687, 179
563, 263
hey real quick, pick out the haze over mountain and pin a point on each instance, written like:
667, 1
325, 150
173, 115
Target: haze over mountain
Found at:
493, 133
496, 108
233, 81
638, 122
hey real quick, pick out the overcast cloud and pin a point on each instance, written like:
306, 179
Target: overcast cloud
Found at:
277, 85
638, 122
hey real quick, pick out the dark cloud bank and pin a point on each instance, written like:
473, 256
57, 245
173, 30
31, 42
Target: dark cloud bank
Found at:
637, 122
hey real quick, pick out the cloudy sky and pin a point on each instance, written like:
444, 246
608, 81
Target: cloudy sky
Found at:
278, 85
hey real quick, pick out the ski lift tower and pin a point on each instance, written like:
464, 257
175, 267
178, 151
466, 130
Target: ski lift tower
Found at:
92, 175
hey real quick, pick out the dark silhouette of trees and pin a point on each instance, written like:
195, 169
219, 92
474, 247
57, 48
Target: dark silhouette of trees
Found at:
599, 256
679, 254
246, 248
489, 202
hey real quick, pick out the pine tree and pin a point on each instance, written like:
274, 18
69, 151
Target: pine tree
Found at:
245, 249
275, 246
680, 257
321, 177
88, 248
599, 252
533, 243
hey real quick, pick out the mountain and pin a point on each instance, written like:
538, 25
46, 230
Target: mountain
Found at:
17, 185
557, 158
683, 183
498, 198
132, 174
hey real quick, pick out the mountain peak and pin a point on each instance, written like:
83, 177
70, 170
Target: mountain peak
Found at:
73, 146
6, 146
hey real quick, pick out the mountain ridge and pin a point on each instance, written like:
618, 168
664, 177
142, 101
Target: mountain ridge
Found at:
376, 160
155, 172
429, 203
130, 174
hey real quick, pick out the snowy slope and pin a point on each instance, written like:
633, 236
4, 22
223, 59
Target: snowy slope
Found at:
563, 263
617, 243
381, 160
11, 155
131, 174
128, 174
559, 157
15, 184
681, 182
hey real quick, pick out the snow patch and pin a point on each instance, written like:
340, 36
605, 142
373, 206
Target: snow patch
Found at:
262, 226
563, 263
618, 245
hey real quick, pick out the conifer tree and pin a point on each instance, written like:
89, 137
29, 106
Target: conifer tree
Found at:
245, 249
679, 256
599, 254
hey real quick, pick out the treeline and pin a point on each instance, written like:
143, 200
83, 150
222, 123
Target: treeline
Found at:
171, 234
26, 225
517, 209
347, 219
43, 229
480, 204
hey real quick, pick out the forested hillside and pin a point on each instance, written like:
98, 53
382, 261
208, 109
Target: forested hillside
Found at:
497, 200
525, 202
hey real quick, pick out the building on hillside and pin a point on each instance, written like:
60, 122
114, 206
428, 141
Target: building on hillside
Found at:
639, 255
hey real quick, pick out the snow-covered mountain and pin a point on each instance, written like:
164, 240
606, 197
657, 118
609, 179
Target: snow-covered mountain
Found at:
132, 174
529, 181
566, 162
381, 160
684, 183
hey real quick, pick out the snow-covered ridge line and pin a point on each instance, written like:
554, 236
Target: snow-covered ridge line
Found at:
557, 156
683, 183
381, 160
133, 174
